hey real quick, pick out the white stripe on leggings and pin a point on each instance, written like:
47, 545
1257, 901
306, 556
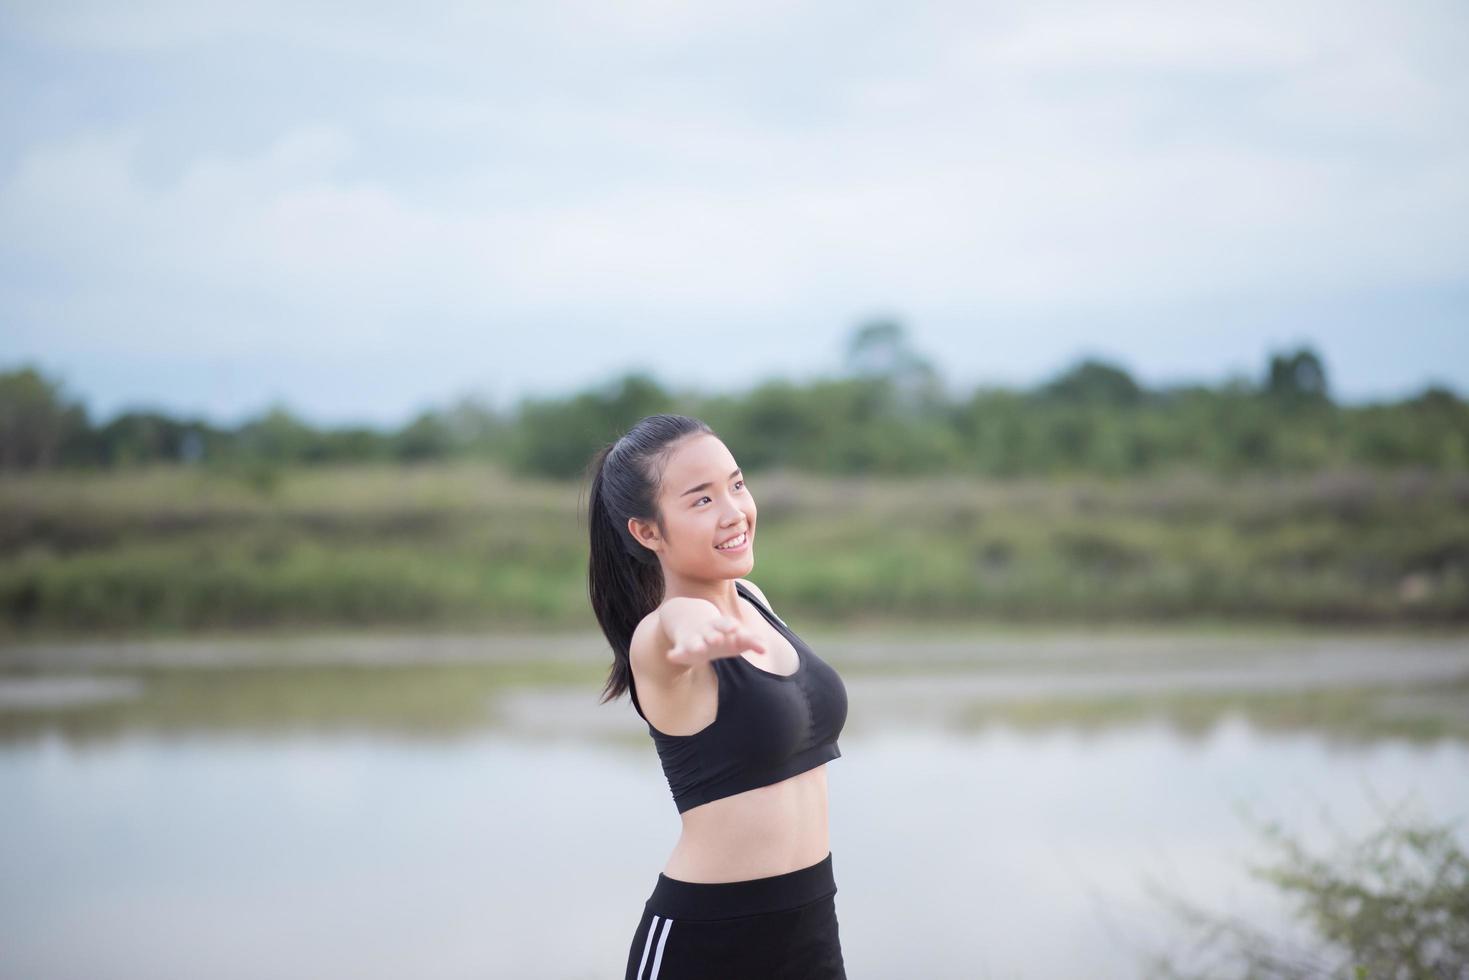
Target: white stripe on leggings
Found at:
658, 956
648, 944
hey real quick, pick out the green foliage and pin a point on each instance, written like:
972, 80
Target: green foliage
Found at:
426, 437
39, 426
1393, 905
887, 414
280, 437
556, 437
142, 437
1296, 379
467, 428
262, 543
1095, 383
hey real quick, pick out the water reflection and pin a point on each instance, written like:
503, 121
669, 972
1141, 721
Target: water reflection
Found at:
490, 819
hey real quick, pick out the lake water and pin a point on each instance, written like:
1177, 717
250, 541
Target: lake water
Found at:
995, 817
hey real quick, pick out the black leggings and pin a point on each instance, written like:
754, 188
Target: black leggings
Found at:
783, 927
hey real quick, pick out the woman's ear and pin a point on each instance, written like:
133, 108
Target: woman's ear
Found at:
644, 533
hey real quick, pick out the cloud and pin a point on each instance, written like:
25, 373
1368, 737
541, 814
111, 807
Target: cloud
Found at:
572, 166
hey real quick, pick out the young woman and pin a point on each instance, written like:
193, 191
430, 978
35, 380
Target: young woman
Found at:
742, 712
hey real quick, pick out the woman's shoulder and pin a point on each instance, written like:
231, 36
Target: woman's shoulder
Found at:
648, 650
758, 594
646, 636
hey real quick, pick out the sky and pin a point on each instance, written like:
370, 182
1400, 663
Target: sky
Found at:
361, 212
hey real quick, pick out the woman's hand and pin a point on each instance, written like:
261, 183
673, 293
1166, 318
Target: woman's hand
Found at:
720, 637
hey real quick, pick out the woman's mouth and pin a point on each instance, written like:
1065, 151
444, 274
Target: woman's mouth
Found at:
737, 544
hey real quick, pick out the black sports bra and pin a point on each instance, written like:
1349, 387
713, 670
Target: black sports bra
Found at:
768, 726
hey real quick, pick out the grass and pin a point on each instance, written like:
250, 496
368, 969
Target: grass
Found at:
181, 551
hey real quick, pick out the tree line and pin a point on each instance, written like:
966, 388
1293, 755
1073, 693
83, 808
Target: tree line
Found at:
888, 411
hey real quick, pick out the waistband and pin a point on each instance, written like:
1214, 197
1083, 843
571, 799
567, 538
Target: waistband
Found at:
677, 899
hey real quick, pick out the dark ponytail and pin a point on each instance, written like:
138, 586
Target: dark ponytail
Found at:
625, 579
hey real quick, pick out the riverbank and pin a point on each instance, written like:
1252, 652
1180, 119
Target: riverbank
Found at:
1410, 685
175, 551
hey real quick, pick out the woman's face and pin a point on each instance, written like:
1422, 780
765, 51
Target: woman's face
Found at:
704, 502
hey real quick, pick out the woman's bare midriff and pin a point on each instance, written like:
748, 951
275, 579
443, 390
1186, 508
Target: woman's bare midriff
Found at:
766, 831
769, 830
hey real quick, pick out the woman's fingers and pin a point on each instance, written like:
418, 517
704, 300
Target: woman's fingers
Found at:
737, 641
687, 651
751, 642
722, 638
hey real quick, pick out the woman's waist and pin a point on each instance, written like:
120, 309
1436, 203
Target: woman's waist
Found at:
749, 842
724, 876
747, 851
680, 899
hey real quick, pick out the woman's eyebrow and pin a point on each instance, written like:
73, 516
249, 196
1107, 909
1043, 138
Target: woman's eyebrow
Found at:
705, 486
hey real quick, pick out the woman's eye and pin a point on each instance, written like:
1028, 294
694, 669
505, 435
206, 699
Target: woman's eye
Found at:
738, 483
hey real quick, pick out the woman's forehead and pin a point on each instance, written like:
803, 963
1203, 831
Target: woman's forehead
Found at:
699, 459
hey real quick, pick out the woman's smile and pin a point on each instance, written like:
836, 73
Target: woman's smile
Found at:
741, 542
